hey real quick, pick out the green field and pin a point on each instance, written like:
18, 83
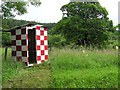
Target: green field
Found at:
66, 68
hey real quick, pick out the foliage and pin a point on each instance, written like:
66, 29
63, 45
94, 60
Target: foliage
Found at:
6, 39
86, 23
56, 41
10, 9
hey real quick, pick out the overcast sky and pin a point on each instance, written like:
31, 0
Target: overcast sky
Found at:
49, 11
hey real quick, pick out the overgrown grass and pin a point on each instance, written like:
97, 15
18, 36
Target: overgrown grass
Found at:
10, 68
84, 69
66, 68
16, 75
0, 68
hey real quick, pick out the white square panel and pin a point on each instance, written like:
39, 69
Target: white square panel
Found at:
18, 32
23, 36
37, 32
41, 28
45, 42
46, 52
13, 37
18, 42
38, 62
18, 53
38, 53
42, 47
24, 59
38, 42
42, 37
45, 33
43, 57
23, 48
13, 48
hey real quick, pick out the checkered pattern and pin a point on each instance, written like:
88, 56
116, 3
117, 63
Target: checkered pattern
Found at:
20, 44
41, 44
19, 47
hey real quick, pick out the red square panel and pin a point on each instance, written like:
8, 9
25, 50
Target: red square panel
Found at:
46, 56
42, 42
38, 27
45, 38
19, 58
41, 32
42, 60
45, 29
18, 37
38, 37
39, 58
24, 53
23, 42
23, 31
38, 47
18, 48
42, 52
13, 42
46, 47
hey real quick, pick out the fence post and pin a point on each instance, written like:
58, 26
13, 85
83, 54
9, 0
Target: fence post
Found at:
6, 52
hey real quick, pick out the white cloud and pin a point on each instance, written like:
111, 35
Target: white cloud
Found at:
49, 11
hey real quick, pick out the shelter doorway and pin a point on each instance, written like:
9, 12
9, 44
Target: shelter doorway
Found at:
32, 46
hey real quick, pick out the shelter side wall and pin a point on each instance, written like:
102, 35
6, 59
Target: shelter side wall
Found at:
19, 44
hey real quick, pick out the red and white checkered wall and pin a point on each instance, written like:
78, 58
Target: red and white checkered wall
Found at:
20, 44
41, 44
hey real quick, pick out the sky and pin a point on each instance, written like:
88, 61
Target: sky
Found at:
49, 11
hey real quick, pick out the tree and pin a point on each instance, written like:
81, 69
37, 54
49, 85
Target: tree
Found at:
10, 9
85, 23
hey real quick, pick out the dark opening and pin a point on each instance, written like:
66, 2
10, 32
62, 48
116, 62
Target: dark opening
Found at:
32, 46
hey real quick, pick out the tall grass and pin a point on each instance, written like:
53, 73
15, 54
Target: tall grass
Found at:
84, 69
0, 68
10, 67
16, 75
70, 68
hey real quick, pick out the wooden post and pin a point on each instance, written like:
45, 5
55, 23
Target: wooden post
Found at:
6, 52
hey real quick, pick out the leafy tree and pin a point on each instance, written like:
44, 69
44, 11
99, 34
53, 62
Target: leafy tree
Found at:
10, 9
84, 23
56, 41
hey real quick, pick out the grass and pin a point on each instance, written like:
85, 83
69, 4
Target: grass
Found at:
15, 75
0, 68
88, 69
10, 68
66, 68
